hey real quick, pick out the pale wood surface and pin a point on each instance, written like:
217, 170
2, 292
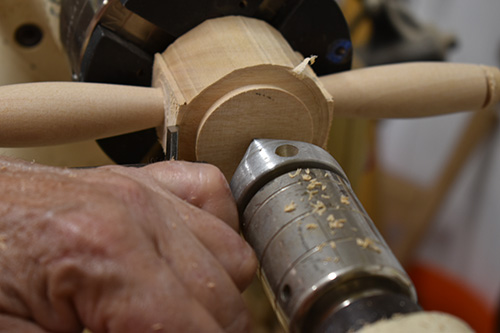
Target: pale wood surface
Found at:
35, 114
418, 322
413, 90
234, 79
231, 80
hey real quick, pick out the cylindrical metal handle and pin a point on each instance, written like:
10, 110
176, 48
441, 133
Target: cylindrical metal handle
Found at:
314, 241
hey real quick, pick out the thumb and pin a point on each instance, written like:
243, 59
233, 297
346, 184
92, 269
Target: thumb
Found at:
10, 324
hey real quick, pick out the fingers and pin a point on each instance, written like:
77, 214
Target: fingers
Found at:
205, 276
205, 186
152, 301
202, 185
127, 250
10, 324
228, 247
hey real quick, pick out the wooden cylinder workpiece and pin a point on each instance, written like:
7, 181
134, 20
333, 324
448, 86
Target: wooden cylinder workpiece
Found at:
411, 90
233, 79
47, 113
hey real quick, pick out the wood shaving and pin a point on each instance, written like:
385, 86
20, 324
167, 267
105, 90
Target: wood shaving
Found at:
312, 194
306, 177
295, 174
337, 224
290, 207
344, 200
308, 171
311, 226
313, 183
324, 196
368, 243
318, 207
333, 245
330, 218
323, 187
321, 246
328, 259
300, 68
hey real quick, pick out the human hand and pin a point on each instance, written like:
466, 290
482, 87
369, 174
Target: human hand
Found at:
117, 249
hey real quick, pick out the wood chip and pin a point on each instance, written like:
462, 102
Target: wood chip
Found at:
312, 194
337, 224
311, 226
299, 69
306, 177
368, 243
308, 171
321, 246
290, 207
333, 245
318, 208
324, 196
313, 183
344, 200
295, 174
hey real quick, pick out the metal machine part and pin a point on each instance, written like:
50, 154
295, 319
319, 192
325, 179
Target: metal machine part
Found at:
399, 37
325, 265
113, 41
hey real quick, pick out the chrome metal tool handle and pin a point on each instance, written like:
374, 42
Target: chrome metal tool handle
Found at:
325, 265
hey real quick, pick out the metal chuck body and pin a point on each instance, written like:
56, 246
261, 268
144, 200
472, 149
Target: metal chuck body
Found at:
324, 265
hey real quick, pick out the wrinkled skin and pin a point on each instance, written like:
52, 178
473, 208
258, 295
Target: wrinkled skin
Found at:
117, 249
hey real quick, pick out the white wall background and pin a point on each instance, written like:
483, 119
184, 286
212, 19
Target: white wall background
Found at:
465, 237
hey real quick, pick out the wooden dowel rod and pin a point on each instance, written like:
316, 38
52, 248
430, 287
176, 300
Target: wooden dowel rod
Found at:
36, 114
413, 90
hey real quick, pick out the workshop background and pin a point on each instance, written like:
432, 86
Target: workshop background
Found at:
461, 250
433, 183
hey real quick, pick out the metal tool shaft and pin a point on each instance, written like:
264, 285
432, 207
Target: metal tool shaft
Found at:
325, 265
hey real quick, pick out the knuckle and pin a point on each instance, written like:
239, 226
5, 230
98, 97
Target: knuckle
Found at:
216, 179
